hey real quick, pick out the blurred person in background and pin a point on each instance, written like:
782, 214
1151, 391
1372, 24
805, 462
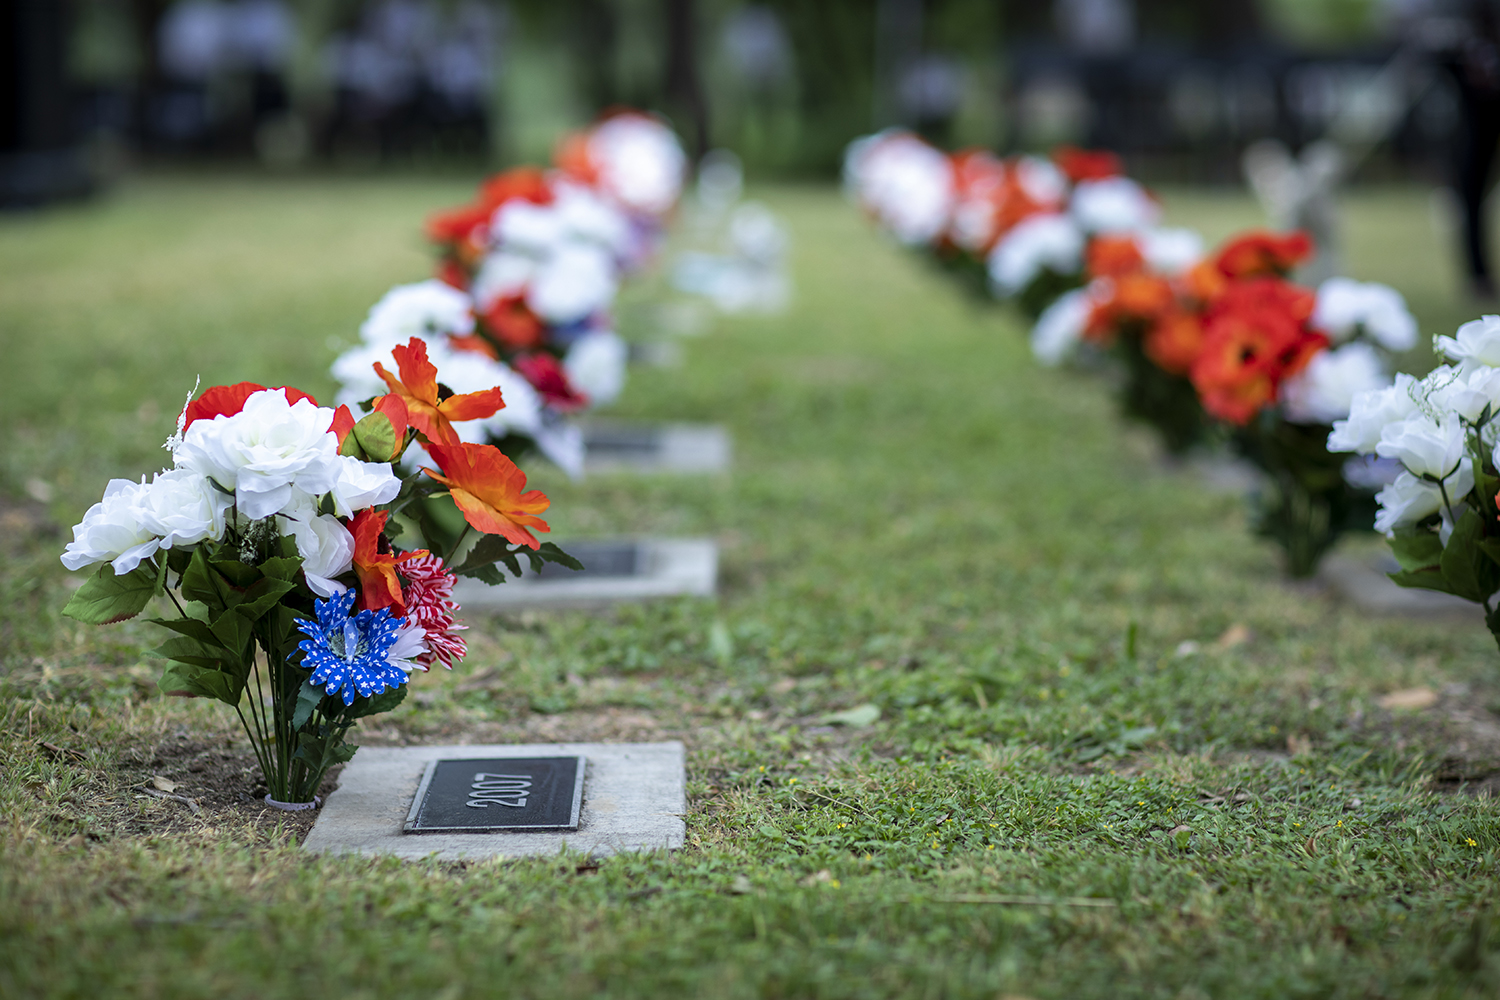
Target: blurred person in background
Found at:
1463, 36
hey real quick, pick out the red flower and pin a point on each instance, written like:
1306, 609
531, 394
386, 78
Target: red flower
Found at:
429, 603
375, 564
418, 389
549, 379
490, 491
1132, 298
227, 400
1087, 164
514, 324
1255, 337
1260, 253
466, 230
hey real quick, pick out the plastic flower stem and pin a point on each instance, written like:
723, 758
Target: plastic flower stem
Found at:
260, 757
175, 603
457, 542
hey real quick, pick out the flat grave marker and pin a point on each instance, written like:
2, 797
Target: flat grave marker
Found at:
655, 448
412, 802
615, 570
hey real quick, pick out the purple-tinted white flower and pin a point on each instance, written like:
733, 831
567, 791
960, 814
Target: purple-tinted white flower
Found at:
640, 161
1408, 500
907, 183
1170, 252
573, 283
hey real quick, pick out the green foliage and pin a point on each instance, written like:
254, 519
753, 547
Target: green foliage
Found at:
106, 598
919, 520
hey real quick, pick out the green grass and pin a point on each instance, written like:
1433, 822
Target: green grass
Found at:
919, 518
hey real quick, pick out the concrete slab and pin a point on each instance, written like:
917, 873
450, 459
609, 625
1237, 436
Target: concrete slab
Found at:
634, 798
655, 448
615, 571
1359, 577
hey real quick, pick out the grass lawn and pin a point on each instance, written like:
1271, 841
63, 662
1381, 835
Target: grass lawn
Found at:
919, 519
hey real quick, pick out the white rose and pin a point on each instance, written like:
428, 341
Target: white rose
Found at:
640, 162
354, 370
325, 545
264, 450
1478, 342
1324, 391
1346, 308
113, 531
424, 309
1060, 327
595, 365
1113, 205
502, 274
1052, 242
908, 184
522, 225
361, 485
1170, 251
585, 216
572, 284
1425, 446
1409, 499
1369, 413
183, 508
1042, 181
1465, 392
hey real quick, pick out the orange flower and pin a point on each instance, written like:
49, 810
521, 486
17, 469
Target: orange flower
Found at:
1174, 342
375, 564
1132, 299
490, 491
1112, 256
1086, 164
466, 229
1205, 282
1261, 254
418, 389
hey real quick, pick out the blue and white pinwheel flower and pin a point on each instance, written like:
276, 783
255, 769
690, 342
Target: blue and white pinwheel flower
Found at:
351, 653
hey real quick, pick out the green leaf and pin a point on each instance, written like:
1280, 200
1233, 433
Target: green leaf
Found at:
106, 598
282, 568
1462, 563
856, 717
201, 682
1416, 548
201, 583
551, 553
233, 630
190, 627
263, 595
308, 699
484, 553
383, 702
236, 572
377, 436
489, 574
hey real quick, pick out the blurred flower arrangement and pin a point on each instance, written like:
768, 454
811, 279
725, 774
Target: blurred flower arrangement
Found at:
527, 278
1207, 347
277, 536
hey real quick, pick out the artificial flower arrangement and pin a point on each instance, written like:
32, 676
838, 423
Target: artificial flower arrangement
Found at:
1231, 344
527, 279
1441, 514
277, 537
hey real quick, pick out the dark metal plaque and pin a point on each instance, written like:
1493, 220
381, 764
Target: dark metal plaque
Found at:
599, 559
622, 442
496, 794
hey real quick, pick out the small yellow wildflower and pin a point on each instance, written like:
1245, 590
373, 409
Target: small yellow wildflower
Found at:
1472, 842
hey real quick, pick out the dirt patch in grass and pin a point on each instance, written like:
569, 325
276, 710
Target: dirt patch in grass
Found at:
188, 781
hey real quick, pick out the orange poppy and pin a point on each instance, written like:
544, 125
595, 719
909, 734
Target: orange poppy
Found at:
431, 416
491, 491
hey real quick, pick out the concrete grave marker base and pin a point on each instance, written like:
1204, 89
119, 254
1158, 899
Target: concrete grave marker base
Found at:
634, 797
630, 569
655, 448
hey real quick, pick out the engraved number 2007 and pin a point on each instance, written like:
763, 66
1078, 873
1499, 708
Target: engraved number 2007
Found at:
499, 789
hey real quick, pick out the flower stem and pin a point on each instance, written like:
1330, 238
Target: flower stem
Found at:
448, 560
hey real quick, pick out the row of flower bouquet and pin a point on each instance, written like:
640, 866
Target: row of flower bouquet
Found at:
1204, 346
526, 280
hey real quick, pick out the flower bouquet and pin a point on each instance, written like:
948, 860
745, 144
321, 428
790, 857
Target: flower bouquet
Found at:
1441, 514
275, 536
